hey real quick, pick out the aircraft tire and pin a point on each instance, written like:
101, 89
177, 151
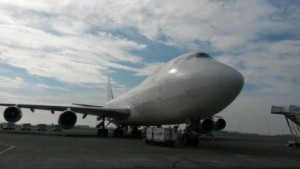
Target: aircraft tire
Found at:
105, 133
188, 140
118, 133
185, 139
102, 132
195, 141
170, 144
136, 133
147, 142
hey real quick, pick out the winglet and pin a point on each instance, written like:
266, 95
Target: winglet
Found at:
109, 90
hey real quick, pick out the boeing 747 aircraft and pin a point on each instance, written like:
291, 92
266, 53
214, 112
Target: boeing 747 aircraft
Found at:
190, 89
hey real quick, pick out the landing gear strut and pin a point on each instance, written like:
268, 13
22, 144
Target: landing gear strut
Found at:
102, 131
136, 132
190, 137
119, 131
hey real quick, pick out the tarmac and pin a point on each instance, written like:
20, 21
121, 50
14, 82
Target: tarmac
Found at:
84, 150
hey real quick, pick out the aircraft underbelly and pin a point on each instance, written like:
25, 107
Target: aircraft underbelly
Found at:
177, 108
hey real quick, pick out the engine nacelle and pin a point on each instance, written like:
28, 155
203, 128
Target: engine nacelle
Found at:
67, 119
12, 114
219, 124
205, 126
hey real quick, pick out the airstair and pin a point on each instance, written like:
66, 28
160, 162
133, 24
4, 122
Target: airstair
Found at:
292, 116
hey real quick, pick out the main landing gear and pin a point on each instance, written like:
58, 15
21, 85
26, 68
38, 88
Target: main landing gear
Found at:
136, 133
120, 131
102, 131
190, 137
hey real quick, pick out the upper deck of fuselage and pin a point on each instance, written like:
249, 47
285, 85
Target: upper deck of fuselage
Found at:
176, 67
173, 67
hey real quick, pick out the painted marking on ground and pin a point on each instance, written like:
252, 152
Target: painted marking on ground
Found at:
10, 147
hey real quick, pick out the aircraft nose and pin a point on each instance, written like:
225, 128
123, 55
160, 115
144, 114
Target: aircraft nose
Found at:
231, 82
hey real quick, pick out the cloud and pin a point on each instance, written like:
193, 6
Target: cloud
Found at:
52, 87
8, 83
271, 72
65, 36
224, 25
148, 69
272, 63
73, 59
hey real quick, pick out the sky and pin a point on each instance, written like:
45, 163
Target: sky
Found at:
61, 51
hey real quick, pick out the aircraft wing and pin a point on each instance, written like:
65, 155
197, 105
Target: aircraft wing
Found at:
86, 110
85, 105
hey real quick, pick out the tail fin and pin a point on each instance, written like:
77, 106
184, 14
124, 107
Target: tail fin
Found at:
109, 90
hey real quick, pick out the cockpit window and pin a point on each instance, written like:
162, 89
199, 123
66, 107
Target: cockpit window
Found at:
202, 55
199, 55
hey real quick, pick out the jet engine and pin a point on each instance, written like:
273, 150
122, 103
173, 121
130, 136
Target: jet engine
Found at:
12, 114
219, 124
67, 119
205, 126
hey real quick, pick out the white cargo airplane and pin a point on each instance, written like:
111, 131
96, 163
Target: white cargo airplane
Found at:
190, 88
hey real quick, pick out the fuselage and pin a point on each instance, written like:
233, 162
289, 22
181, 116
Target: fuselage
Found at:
190, 86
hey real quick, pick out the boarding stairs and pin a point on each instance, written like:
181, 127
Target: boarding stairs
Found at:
292, 116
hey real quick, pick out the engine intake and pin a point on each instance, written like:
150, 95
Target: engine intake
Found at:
67, 119
205, 126
219, 124
12, 114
